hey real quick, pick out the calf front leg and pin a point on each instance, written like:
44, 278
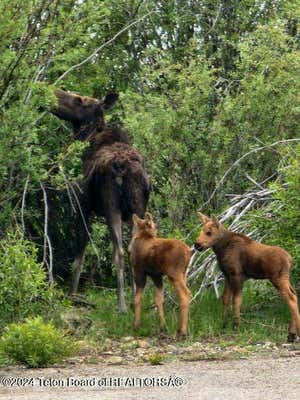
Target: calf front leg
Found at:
237, 301
227, 294
236, 287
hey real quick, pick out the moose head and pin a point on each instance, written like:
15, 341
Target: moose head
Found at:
82, 111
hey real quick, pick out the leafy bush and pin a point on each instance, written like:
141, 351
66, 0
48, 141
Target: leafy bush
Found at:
24, 290
35, 343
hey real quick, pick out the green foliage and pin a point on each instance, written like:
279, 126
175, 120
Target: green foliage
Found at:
201, 85
35, 343
169, 126
24, 290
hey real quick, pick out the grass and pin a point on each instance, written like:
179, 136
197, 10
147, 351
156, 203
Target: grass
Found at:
264, 317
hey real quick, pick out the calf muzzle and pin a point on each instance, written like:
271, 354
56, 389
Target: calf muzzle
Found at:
198, 246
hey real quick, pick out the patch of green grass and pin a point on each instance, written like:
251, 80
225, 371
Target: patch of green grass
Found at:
156, 359
108, 322
264, 317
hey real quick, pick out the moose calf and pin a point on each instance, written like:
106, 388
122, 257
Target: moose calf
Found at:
241, 258
156, 257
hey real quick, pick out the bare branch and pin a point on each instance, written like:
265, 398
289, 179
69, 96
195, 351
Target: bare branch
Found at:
85, 224
23, 204
47, 242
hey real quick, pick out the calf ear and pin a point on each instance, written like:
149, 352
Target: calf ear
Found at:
203, 218
149, 216
215, 221
135, 219
109, 100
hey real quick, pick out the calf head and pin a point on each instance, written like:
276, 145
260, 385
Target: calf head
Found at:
82, 110
210, 233
144, 227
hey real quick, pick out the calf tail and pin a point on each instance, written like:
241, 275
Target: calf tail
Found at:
192, 256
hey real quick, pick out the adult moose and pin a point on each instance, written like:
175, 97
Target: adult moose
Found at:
241, 258
116, 182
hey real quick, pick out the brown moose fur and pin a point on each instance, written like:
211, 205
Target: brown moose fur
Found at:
116, 181
156, 257
241, 258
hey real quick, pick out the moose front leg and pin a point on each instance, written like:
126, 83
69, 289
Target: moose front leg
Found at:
115, 227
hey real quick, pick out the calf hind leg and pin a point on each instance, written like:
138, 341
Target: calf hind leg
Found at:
140, 285
289, 295
159, 300
183, 294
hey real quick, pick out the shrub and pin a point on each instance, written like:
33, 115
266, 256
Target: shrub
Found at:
24, 290
35, 343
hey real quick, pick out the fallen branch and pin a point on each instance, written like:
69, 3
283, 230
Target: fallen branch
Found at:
241, 159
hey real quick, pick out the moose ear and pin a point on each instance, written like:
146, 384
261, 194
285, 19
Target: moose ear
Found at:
203, 218
215, 221
78, 100
109, 100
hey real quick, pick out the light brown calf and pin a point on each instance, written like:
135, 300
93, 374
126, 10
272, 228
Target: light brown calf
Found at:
156, 257
241, 258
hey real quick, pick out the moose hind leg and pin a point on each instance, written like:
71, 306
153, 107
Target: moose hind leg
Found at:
115, 227
76, 272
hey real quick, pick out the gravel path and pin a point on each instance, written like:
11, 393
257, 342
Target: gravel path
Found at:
261, 379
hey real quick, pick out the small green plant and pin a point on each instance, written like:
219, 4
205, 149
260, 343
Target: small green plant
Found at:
24, 290
156, 359
36, 343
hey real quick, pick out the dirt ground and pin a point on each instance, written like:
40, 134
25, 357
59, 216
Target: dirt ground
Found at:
254, 378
